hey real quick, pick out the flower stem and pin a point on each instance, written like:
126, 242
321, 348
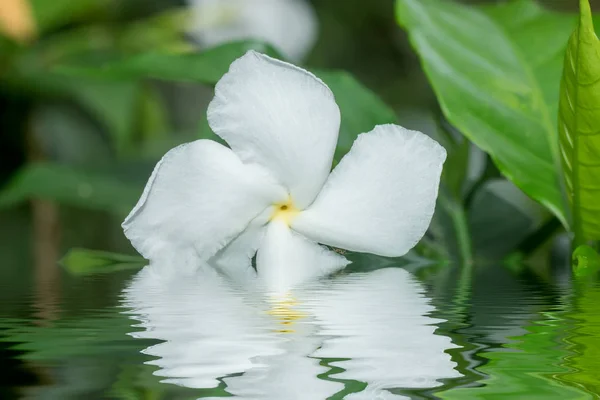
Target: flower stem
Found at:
461, 229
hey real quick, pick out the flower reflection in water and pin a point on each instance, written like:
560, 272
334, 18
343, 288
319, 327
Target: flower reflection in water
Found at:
275, 347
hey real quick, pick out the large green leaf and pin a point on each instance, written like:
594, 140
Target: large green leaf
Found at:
500, 218
71, 186
69, 135
496, 73
203, 67
52, 14
579, 127
113, 104
361, 109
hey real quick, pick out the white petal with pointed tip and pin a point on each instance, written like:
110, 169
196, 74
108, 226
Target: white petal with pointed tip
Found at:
200, 196
286, 259
279, 116
381, 196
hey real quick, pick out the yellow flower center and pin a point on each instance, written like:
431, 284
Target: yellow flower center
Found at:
285, 212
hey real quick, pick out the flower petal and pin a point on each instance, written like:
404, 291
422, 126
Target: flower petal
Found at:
286, 259
381, 196
280, 117
235, 259
199, 197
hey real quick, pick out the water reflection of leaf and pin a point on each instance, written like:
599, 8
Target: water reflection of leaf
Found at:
373, 328
526, 367
79, 358
584, 341
68, 338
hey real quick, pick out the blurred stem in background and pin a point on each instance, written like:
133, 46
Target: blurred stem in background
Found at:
17, 22
46, 242
461, 229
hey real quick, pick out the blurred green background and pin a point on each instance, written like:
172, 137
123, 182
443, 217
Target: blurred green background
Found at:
76, 149
93, 94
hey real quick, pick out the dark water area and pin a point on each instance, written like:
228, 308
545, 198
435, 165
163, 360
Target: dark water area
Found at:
390, 333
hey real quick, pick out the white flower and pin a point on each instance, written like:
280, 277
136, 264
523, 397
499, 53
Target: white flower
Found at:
272, 191
289, 25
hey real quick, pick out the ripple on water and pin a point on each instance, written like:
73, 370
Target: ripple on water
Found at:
377, 335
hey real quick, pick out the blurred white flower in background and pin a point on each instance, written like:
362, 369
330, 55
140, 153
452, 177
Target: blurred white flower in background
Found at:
288, 25
375, 325
272, 194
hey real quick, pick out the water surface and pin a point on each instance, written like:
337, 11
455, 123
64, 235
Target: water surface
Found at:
439, 332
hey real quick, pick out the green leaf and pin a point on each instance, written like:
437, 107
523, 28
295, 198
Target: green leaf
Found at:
88, 262
455, 168
113, 104
495, 71
56, 13
71, 186
205, 67
158, 31
500, 218
579, 127
65, 133
153, 119
361, 109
